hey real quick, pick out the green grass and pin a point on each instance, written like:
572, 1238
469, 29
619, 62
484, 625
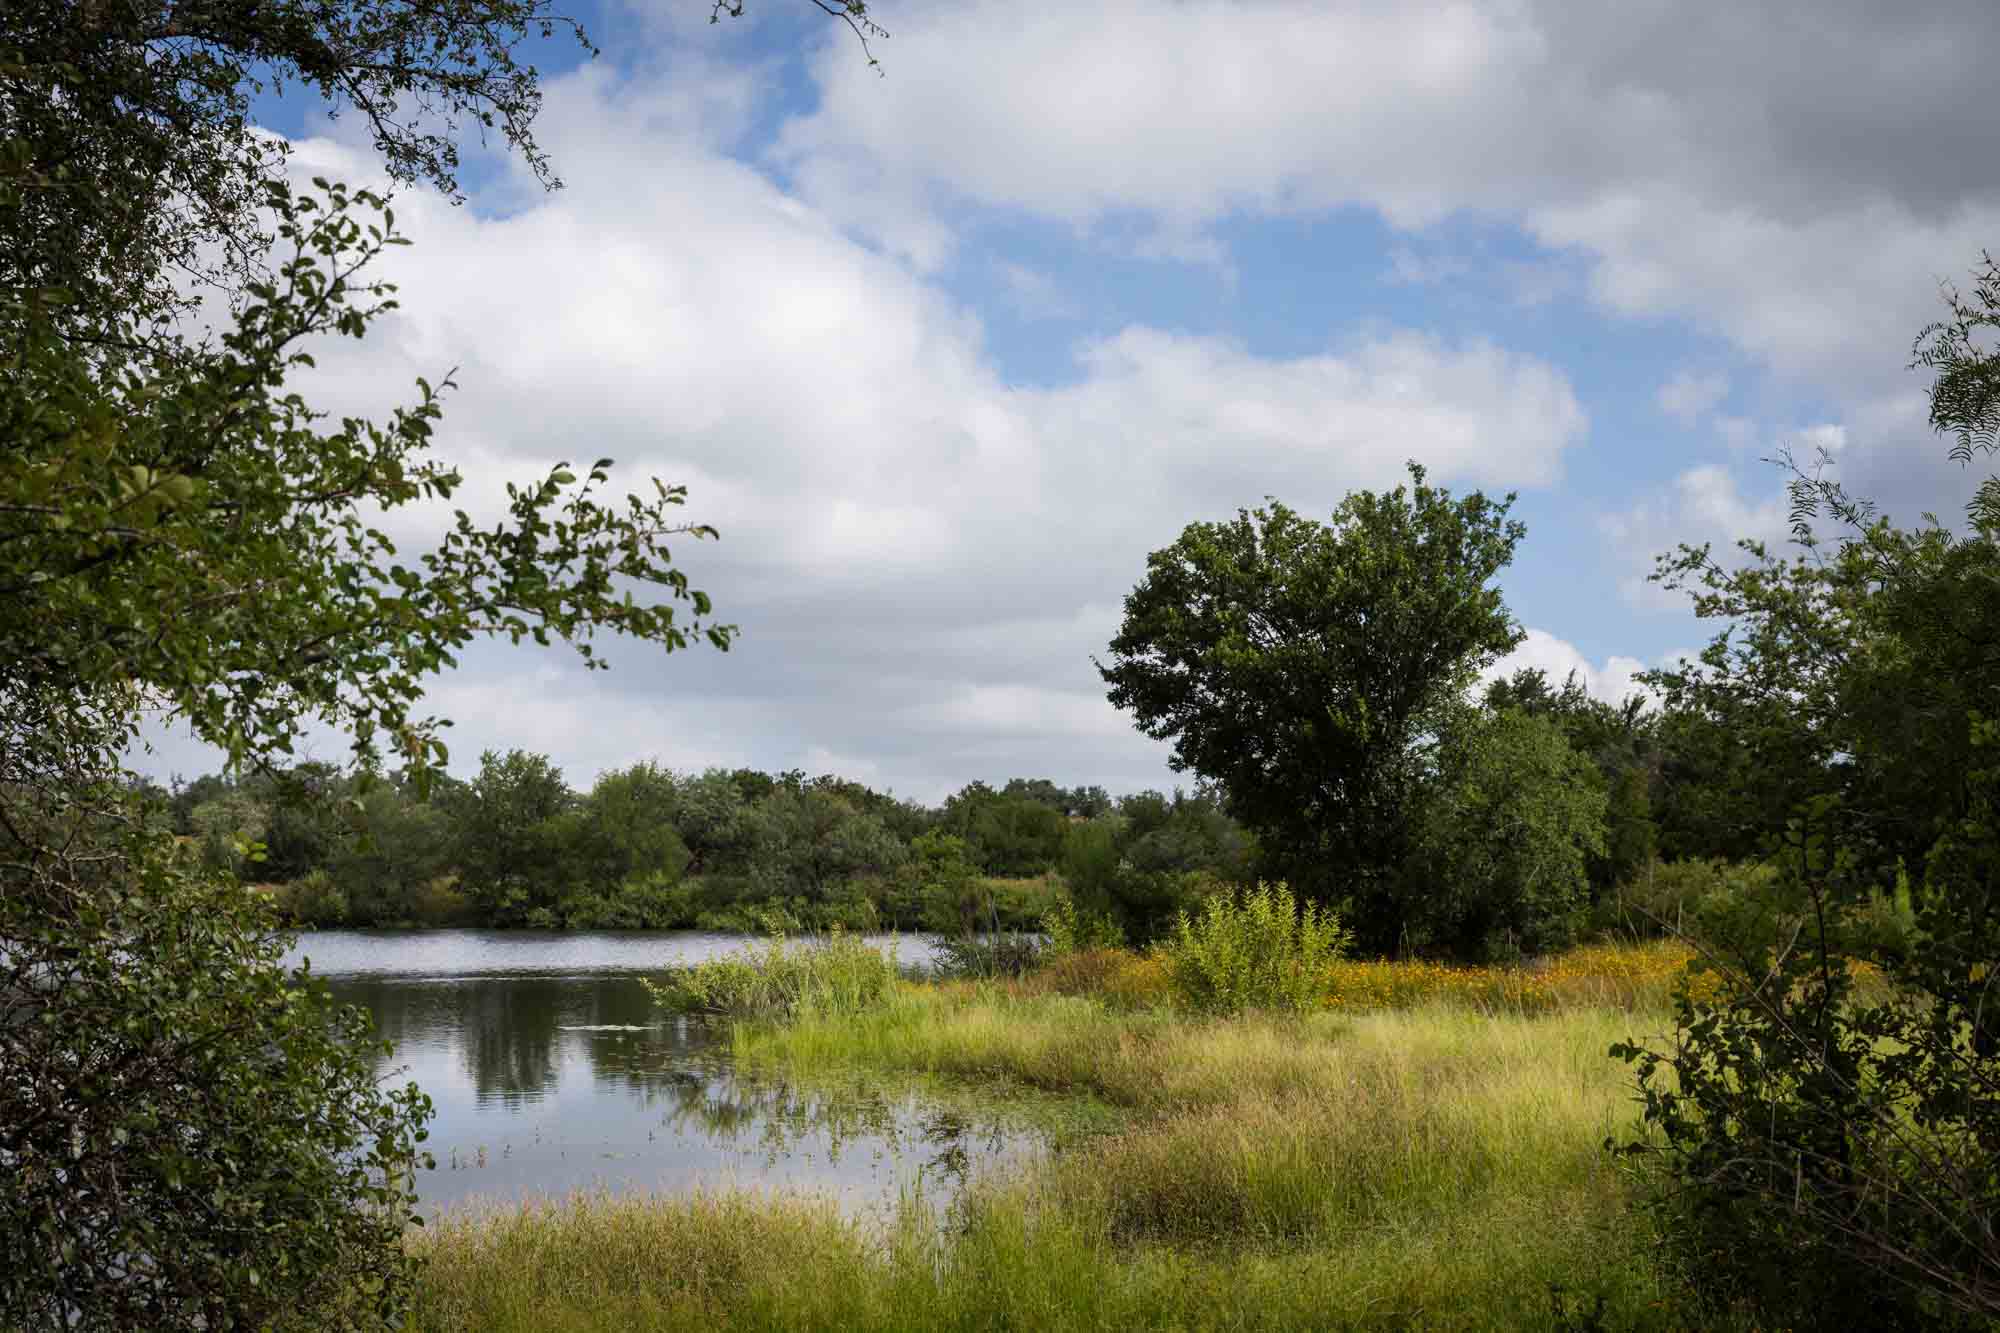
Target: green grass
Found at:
831, 975
1430, 1167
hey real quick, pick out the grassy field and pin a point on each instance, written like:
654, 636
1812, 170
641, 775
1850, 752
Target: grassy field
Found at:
1433, 1161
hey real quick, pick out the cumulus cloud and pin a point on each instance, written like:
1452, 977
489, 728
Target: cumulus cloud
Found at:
922, 555
1790, 176
1614, 680
1705, 504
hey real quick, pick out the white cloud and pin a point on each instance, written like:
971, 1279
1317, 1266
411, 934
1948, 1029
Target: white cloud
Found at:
1704, 504
1688, 396
1789, 177
921, 554
1614, 680
1829, 438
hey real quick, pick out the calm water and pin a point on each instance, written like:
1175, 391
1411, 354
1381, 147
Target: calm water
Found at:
552, 1072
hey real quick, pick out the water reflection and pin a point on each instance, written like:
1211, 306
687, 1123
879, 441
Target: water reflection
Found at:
549, 1081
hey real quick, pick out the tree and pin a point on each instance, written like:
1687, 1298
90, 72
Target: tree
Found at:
629, 825
808, 843
1621, 740
1297, 663
1499, 863
513, 856
400, 870
133, 173
1834, 1150
192, 1140
139, 490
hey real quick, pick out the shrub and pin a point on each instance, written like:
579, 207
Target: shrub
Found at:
1118, 977
438, 902
313, 899
1007, 954
785, 978
1260, 950
650, 900
1069, 929
193, 1138
1677, 897
1138, 982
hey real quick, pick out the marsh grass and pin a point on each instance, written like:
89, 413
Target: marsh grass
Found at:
1434, 1166
824, 976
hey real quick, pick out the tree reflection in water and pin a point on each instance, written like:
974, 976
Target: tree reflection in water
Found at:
545, 1083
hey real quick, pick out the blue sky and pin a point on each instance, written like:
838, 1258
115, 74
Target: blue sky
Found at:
946, 351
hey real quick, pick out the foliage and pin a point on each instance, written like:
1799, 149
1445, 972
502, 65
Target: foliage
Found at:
947, 883
1262, 949
1295, 663
809, 843
1004, 953
1834, 1155
1069, 929
1705, 899
835, 974
1498, 866
192, 1138
1625, 743
399, 866
137, 489
139, 157
513, 853
313, 899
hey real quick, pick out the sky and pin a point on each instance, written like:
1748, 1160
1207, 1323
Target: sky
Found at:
944, 347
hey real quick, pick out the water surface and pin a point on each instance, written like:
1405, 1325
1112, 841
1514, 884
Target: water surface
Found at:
551, 1072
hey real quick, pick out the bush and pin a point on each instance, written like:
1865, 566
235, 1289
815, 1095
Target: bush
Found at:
1069, 929
193, 1139
438, 902
1007, 954
785, 978
1676, 897
1138, 983
1118, 977
652, 900
313, 899
1260, 950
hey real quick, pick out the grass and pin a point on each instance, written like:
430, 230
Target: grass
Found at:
783, 978
1437, 1163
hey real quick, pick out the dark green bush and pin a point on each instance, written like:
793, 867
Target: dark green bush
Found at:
189, 1136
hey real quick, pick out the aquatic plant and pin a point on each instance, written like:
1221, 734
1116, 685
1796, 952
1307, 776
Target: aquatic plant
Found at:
836, 973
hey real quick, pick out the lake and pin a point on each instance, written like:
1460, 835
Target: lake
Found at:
552, 1072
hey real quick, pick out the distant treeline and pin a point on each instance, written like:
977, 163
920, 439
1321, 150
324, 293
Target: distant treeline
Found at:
1552, 813
648, 848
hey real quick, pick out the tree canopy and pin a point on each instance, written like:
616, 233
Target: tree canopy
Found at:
192, 1141
1296, 664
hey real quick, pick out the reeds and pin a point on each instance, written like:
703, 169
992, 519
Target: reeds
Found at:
783, 978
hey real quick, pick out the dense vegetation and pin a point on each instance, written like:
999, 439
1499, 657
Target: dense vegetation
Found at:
191, 1139
1542, 830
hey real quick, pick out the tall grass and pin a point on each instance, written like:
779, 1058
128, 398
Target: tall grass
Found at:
836, 974
1431, 1167
1416, 1147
